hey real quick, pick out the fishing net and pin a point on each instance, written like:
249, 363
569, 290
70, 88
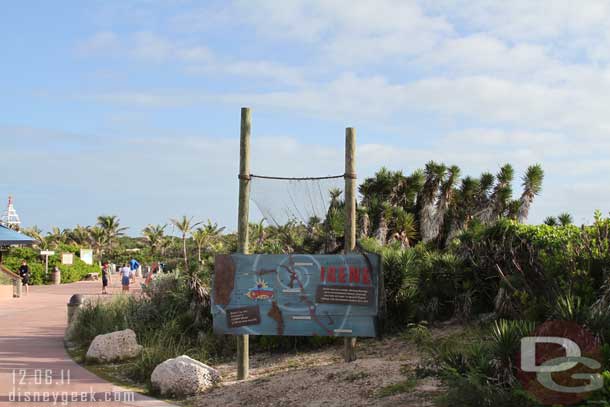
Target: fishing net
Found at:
295, 200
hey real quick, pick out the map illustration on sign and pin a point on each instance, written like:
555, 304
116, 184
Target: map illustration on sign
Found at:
296, 294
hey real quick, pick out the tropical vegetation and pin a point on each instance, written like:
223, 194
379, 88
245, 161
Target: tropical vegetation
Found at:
455, 250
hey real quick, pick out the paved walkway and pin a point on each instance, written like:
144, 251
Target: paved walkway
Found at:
35, 369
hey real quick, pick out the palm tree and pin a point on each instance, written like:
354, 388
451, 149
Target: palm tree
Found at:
80, 235
35, 233
206, 236
112, 228
532, 185
428, 227
99, 240
257, 231
364, 222
154, 236
565, 219
446, 195
465, 205
499, 200
550, 221
401, 225
57, 236
185, 226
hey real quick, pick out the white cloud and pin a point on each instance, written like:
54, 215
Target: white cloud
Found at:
105, 42
349, 31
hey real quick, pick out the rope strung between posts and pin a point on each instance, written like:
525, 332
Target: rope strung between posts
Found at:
248, 177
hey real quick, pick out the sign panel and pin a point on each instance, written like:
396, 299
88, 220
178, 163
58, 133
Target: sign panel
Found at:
296, 294
86, 255
67, 258
47, 252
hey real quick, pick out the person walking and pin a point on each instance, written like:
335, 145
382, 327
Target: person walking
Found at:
125, 277
24, 273
134, 265
105, 277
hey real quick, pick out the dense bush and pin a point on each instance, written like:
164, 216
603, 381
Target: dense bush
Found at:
523, 269
69, 273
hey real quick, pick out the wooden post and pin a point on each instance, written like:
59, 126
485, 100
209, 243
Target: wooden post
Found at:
243, 348
349, 344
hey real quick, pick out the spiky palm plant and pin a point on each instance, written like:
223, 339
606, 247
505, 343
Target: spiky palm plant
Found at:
565, 219
550, 221
532, 185
364, 222
434, 174
500, 197
446, 195
401, 225
463, 207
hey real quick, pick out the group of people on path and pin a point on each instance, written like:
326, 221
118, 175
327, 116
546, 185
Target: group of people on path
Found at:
127, 273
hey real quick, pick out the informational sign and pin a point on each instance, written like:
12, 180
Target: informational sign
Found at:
86, 255
47, 252
67, 258
296, 294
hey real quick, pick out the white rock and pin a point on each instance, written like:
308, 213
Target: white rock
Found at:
183, 376
119, 345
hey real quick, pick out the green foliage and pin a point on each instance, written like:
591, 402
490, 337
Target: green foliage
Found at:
401, 280
534, 266
69, 273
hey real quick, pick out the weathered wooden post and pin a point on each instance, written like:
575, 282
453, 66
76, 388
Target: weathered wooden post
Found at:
243, 351
349, 344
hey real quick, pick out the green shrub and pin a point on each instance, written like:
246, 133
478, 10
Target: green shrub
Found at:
69, 273
524, 270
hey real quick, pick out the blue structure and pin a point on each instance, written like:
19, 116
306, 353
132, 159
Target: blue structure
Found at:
296, 294
9, 237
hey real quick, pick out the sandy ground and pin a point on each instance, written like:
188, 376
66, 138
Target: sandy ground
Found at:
321, 378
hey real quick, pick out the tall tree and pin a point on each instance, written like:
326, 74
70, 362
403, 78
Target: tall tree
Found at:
112, 228
499, 200
427, 201
35, 233
80, 235
445, 197
532, 185
205, 236
154, 235
98, 240
185, 226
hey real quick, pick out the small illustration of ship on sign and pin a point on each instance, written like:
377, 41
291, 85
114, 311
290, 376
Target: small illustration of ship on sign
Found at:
260, 292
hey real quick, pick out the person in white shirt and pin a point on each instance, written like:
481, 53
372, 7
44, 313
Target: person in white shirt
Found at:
125, 277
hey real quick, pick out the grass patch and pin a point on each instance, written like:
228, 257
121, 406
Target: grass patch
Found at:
404, 386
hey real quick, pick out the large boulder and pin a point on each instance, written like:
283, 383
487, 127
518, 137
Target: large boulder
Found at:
119, 345
183, 376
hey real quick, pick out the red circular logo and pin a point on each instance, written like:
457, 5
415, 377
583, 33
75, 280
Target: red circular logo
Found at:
559, 363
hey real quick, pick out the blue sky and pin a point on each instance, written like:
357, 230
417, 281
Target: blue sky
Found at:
132, 108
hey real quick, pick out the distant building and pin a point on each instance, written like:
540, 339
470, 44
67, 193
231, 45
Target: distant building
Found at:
9, 217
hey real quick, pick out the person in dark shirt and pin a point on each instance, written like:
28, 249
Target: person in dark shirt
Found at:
105, 277
24, 273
